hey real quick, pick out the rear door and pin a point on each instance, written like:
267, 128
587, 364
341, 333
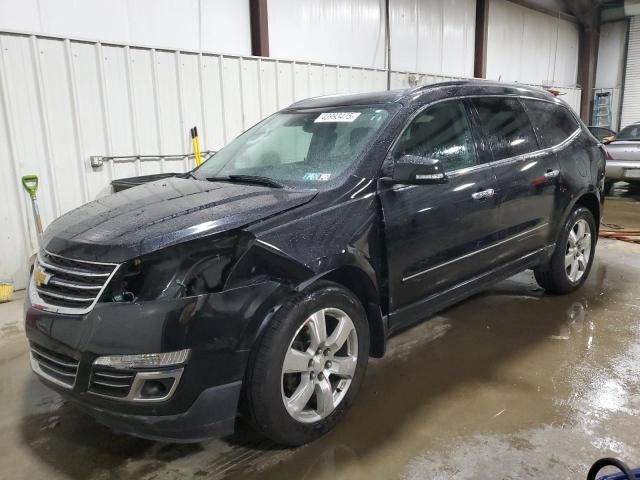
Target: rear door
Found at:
526, 176
435, 234
562, 139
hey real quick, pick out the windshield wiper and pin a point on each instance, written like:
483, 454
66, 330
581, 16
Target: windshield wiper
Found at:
255, 179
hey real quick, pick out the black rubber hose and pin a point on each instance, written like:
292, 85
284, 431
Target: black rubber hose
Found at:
605, 462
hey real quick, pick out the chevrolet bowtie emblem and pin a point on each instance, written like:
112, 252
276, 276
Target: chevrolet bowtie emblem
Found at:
40, 277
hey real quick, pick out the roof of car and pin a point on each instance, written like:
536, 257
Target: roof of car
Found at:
423, 94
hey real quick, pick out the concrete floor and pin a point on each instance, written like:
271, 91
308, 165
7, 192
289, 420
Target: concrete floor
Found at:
512, 383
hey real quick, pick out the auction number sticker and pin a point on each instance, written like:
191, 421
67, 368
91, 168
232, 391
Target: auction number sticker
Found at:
333, 117
316, 177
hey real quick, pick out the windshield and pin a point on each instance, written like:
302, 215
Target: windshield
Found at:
632, 132
299, 149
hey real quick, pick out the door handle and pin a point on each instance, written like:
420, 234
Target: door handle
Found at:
482, 194
551, 174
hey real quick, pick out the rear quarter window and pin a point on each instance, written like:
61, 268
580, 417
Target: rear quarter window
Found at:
553, 122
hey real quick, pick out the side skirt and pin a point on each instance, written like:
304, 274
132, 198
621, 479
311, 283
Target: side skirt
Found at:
422, 309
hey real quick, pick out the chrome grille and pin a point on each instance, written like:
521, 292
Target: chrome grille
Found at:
53, 366
66, 285
111, 383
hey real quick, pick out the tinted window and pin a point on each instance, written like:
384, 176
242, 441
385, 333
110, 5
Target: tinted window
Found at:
632, 132
600, 132
505, 126
553, 122
441, 131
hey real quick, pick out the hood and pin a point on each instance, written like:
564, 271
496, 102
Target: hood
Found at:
166, 212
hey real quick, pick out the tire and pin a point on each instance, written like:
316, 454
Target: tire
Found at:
560, 275
328, 395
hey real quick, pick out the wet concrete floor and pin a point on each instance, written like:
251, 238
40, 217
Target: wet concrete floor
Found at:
512, 383
622, 208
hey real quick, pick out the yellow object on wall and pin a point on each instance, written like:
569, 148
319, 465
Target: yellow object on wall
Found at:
196, 146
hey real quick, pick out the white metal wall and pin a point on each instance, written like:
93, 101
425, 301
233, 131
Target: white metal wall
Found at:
435, 36
212, 25
610, 67
349, 32
63, 100
631, 94
529, 46
613, 36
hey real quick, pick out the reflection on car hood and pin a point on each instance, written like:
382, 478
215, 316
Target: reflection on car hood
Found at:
162, 213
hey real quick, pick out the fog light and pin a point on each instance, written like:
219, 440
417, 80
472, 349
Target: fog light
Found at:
156, 388
145, 360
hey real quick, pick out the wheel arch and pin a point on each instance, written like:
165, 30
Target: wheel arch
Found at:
358, 282
591, 202
587, 199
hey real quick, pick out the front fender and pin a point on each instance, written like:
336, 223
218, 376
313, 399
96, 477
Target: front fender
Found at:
342, 243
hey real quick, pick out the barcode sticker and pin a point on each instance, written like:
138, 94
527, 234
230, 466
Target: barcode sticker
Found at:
332, 117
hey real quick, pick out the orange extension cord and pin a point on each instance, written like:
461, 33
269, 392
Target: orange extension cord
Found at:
616, 232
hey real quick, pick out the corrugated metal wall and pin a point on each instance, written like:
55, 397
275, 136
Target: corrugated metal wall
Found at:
435, 36
349, 32
528, 46
631, 95
610, 68
63, 100
213, 25
611, 45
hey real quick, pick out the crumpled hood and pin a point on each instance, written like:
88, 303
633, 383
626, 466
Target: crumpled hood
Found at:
162, 213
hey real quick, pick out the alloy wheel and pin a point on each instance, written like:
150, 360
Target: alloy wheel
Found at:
319, 365
578, 252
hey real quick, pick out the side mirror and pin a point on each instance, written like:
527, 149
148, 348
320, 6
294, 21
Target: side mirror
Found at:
415, 170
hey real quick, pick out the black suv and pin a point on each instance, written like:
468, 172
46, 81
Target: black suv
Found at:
263, 280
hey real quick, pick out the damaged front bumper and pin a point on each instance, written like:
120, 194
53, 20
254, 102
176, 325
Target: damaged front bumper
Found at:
201, 391
213, 414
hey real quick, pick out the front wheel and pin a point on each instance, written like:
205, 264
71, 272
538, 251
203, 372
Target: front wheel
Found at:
573, 256
308, 365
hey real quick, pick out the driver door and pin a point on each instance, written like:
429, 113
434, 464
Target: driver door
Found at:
436, 234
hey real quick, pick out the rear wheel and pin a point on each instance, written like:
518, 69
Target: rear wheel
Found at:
308, 365
573, 256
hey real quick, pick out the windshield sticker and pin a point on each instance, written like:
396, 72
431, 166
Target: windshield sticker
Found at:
333, 117
316, 177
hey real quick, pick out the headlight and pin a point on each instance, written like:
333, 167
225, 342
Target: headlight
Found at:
187, 269
145, 360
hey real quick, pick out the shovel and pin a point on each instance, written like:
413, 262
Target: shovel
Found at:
30, 184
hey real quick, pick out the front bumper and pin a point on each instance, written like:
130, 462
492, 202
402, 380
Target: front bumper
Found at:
218, 328
623, 170
213, 414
